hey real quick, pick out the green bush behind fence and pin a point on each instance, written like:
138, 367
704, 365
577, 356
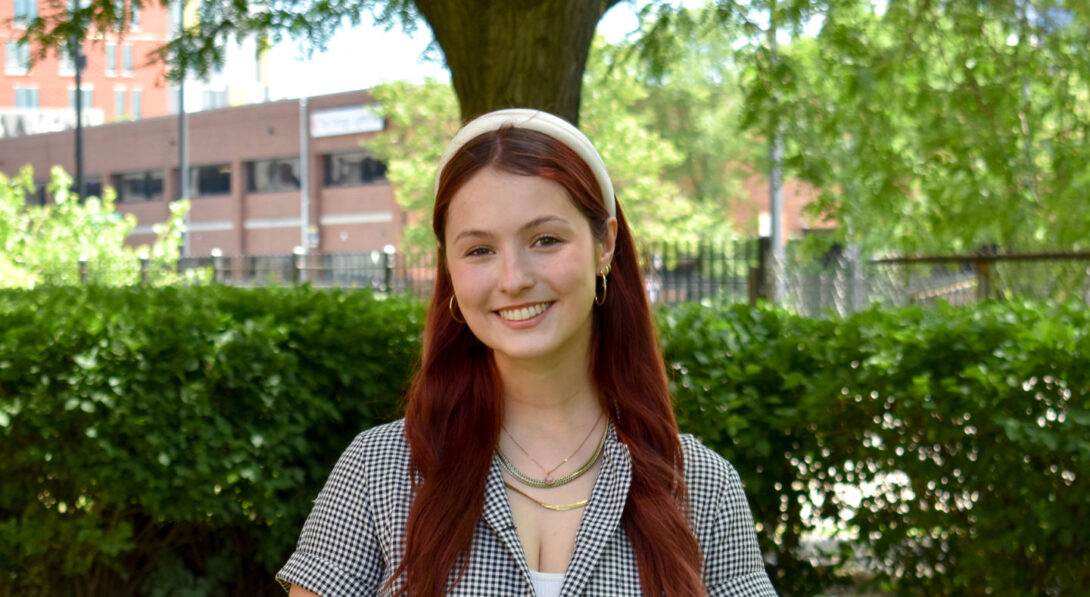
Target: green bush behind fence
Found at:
170, 441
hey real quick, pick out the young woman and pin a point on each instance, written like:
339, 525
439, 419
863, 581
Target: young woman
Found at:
539, 454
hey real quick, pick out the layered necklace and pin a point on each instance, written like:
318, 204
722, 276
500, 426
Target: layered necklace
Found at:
549, 481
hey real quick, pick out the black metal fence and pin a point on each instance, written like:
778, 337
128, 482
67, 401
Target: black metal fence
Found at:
738, 271
673, 272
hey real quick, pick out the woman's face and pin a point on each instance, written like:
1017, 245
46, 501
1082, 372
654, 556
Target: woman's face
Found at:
523, 262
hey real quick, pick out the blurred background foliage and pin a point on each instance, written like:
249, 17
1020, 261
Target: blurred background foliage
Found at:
170, 441
72, 240
924, 127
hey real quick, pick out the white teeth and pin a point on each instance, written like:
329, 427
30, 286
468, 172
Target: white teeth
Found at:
523, 313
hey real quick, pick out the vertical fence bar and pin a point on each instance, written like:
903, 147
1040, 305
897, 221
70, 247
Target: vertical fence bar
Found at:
983, 279
297, 266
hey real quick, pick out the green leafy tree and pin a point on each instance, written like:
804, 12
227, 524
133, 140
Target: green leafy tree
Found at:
46, 244
940, 127
695, 102
421, 119
638, 156
424, 117
499, 53
929, 126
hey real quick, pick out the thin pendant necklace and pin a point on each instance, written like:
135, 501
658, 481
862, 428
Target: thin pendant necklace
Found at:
549, 472
545, 484
553, 507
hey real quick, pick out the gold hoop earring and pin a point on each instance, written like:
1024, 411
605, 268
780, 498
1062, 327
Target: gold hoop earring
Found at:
450, 307
605, 289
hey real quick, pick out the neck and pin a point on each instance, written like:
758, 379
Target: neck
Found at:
548, 398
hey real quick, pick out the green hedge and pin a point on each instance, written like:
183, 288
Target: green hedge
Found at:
170, 441
969, 426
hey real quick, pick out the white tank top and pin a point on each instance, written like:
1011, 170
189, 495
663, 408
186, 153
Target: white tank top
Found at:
547, 584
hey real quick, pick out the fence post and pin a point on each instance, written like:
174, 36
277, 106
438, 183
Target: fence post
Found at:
217, 265
83, 270
388, 259
144, 270
759, 276
983, 278
297, 266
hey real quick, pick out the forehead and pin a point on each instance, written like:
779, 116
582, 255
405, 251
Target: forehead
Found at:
495, 200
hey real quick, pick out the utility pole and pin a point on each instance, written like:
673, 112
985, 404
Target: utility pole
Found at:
775, 175
75, 47
183, 152
304, 176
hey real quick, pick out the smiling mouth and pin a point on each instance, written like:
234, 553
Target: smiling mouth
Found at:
523, 313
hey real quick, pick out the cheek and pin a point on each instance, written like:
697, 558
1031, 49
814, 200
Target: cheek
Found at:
470, 284
572, 275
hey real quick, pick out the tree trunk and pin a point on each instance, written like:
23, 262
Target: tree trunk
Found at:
515, 53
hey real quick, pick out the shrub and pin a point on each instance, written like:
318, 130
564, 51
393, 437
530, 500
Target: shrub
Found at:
967, 429
170, 441
151, 432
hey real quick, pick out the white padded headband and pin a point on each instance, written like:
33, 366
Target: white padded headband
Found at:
542, 122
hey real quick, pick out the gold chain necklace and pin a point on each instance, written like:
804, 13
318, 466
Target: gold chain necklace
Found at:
549, 472
554, 507
543, 484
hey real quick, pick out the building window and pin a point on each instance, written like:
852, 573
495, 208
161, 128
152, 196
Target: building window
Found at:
271, 176
66, 67
134, 16
111, 59
87, 97
38, 198
25, 12
119, 102
92, 187
139, 186
26, 97
213, 99
210, 180
137, 104
352, 168
126, 60
17, 58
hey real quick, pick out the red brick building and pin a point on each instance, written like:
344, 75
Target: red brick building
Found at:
246, 177
38, 94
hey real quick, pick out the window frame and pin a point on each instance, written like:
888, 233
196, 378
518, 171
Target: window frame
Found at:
273, 182
195, 190
352, 176
16, 58
123, 195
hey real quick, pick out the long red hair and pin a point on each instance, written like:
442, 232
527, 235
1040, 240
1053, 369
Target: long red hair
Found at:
454, 406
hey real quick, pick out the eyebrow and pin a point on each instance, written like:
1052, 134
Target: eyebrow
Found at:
527, 226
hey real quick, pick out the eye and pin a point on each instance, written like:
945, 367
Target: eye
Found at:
546, 241
478, 252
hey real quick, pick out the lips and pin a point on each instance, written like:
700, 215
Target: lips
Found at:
523, 313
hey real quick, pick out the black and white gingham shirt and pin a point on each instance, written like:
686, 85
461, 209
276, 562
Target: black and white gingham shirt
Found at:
353, 539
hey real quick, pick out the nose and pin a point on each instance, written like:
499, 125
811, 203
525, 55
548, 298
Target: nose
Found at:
515, 273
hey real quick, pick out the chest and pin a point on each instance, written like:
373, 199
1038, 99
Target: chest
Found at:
548, 520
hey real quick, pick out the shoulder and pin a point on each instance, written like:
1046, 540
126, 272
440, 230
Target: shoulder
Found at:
375, 456
709, 478
702, 464
386, 439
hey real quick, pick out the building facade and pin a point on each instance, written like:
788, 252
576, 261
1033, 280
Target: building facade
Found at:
38, 95
120, 81
246, 176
